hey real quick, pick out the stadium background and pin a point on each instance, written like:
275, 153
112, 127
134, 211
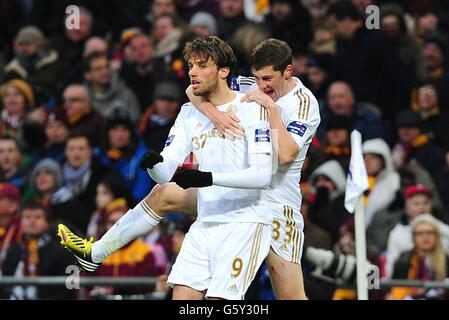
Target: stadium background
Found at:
390, 83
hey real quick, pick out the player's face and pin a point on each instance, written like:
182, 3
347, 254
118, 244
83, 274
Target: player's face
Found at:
271, 82
203, 76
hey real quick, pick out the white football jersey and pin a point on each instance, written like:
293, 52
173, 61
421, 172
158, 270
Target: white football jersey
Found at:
301, 116
194, 132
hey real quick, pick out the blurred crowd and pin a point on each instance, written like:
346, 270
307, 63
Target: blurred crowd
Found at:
80, 106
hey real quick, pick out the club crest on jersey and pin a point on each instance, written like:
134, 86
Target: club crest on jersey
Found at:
262, 135
169, 140
297, 127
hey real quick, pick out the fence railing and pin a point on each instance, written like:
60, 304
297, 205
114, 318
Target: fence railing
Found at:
84, 282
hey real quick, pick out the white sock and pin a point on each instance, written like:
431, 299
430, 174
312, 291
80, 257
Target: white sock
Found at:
135, 223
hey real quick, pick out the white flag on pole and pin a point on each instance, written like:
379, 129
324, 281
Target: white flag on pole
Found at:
357, 180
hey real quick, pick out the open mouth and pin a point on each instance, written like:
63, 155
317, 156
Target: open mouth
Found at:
269, 92
195, 84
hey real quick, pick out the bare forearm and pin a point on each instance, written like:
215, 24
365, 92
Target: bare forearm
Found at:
286, 147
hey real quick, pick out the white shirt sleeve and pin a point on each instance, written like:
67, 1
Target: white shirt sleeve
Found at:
177, 148
258, 174
302, 116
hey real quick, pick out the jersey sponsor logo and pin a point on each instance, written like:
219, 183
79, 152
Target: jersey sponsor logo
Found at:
262, 135
169, 140
297, 127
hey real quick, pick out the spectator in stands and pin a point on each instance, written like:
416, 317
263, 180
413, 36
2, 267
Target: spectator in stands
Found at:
414, 145
383, 180
244, 40
368, 61
418, 201
10, 231
435, 53
82, 172
39, 66
341, 101
106, 90
38, 254
70, 45
393, 25
80, 114
434, 119
45, 181
160, 117
56, 130
291, 22
158, 7
110, 188
122, 152
426, 24
385, 220
426, 261
133, 260
336, 144
169, 42
17, 100
14, 164
319, 73
203, 24
139, 73
230, 19
328, 184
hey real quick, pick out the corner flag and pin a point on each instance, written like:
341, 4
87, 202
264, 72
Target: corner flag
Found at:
357, 179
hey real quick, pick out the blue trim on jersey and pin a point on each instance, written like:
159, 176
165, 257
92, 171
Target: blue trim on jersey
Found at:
297, 128
169, 140
262, 135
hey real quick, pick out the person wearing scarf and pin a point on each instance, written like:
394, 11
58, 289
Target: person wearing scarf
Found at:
38, 254
427, 261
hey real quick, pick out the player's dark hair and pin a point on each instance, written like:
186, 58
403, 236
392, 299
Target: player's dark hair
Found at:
271, 53
212, 48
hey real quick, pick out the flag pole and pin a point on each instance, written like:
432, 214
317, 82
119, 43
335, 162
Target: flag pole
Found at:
360, 247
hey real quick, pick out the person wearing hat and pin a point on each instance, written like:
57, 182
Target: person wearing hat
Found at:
383, 180
418, 201
56, 131
203, 24
415, 146
435, 53
122, 152
37, 254
327, 184
160, 116
10, 231
336, 144
33, 62
17, 98
319, 72
139, 74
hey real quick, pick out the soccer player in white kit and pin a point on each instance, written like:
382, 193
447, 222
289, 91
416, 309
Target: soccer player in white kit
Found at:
294, 117
227, 244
